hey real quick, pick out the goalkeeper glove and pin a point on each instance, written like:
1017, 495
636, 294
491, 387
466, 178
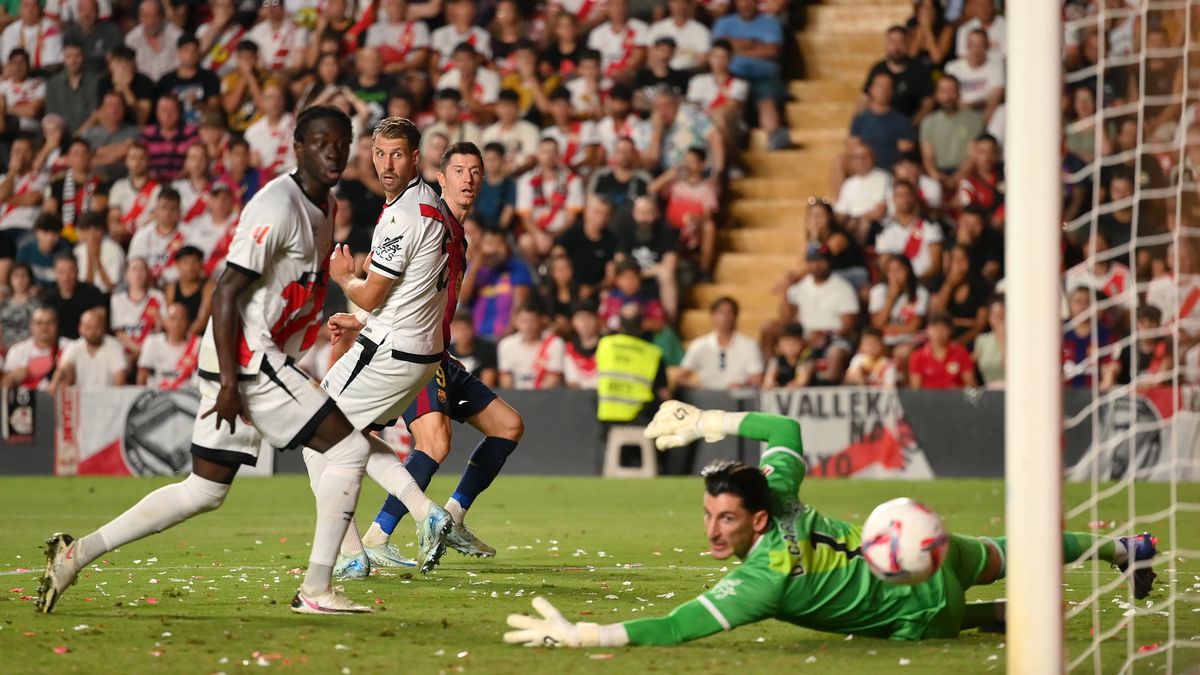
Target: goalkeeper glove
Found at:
553, 630
678, 424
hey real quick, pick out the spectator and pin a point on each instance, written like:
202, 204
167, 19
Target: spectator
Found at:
1077, 341
532, 87
628, 289
887, 132
158, 245
371, 85
168, 140
168, 359
619, 121
30, 363
39, 253
31, 28
941, 363
22, 190
1117, 224
827, 306
981, 78
478, 84
990, 347
912, 82
791, 366
929, 190
985, 243
212, 232
909, 235
270, 137
279, 42
496, 284
658, 73
549, 198
16, 310
631, 373
244, 179
589, 87
621, 42
1100, 271
724, 358
449, 109
71, 92
1080, 134
898, 306
192, 289
655, 247
719, 94
579, 352
101, 261
983, 183
871, 366
947, 133
757, 41
219, 37
110, 133
530, 358
562, 55
460, 28
622, 181
136, 307
578, 141
692, 202
496, 204
675, 127
846, 256
131, 199
193, 184
588, 13
99, 36
242, 97
984, 17
517, 137
69, 297
196, 87
930, 34
591, 246
1149, 361
22, 97
432, 147
402, 41
154, 41
692, 38
862, 199
135, 89
477, 355
963, 296
94, 359
560, 291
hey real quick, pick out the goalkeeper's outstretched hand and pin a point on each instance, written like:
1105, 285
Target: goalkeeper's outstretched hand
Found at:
552, 630
678, 424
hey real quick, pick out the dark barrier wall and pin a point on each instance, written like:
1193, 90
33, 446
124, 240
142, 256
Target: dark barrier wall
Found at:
37, 456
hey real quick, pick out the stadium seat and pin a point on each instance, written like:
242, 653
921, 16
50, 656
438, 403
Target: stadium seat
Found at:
625, 436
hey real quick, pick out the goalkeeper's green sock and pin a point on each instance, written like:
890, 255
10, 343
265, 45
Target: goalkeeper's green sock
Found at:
1076, 543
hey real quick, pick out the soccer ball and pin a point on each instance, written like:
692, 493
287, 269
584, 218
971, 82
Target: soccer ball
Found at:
904, 541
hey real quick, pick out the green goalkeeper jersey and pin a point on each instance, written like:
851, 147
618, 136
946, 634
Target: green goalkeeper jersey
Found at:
806, 569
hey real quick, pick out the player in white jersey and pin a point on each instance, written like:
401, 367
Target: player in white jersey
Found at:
400, 347
266, 313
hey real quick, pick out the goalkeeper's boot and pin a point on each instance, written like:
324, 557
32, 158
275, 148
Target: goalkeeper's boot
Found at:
60, 571
332, 601
350, 567
463, 540
387, 555
431, 537
1138, 548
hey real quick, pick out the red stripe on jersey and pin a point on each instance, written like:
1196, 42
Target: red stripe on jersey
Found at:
432, 212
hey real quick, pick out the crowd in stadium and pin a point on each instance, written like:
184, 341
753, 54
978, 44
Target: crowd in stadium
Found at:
134, 131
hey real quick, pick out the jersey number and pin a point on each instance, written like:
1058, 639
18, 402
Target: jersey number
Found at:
444, 275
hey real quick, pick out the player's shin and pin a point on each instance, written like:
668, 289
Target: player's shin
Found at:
337, 497
385, 469
486, 461
421, 468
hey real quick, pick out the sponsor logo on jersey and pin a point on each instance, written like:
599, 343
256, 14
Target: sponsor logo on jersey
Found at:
726, 588
389, 248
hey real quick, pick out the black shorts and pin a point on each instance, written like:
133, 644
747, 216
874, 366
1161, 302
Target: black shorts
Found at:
454, 392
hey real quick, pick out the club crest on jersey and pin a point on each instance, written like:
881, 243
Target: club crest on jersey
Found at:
389, 248
726, 588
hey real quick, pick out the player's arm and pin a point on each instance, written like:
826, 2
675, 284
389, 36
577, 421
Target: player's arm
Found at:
226, 320
366, 293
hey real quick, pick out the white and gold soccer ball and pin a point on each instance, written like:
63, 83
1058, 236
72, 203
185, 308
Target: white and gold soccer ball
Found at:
904, 541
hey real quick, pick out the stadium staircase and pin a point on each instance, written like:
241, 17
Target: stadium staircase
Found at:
764, 232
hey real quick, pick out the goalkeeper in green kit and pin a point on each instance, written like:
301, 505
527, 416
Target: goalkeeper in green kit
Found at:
800, 566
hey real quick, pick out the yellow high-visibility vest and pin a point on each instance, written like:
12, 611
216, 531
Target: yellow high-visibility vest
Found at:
625, 369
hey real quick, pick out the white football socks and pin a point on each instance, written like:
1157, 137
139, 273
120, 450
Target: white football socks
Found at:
375, 537
456, 510
316, 464
337, 497
385, 468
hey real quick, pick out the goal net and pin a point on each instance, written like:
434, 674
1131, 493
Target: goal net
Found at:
1131, 325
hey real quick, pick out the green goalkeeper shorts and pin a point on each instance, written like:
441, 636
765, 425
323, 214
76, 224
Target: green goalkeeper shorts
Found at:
965, 560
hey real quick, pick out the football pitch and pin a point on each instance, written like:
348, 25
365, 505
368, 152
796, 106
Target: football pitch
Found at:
212, 594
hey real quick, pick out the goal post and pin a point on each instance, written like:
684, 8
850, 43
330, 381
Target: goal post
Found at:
1033, 390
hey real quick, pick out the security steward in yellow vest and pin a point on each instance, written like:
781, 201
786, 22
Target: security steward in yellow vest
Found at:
630, 374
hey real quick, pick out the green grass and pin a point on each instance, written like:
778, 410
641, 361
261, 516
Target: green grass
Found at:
211, 595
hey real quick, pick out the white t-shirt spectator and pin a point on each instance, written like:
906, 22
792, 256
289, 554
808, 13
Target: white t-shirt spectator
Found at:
573, 143
486, 86
279, 49
579, 370
204, 233
706, 92
860, 194
1113, 283
67, 11
159, 251
401, 38
611, 130
171, 366
520, 140
30, 90
929, 191
911, 241
550, 203
879, 374
151, 61
721, 368
585, 97
977, 84
273, 145
616, 47
692, 41
583, 10
903, 310
996, 36
38, 361
135, 206
136, 318
112, 261
1163, 292
14, 217
822, 306
445, 39
43, 41
529, 363
95, 369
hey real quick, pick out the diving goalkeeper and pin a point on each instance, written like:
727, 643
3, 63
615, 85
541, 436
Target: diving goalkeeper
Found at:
800, 566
